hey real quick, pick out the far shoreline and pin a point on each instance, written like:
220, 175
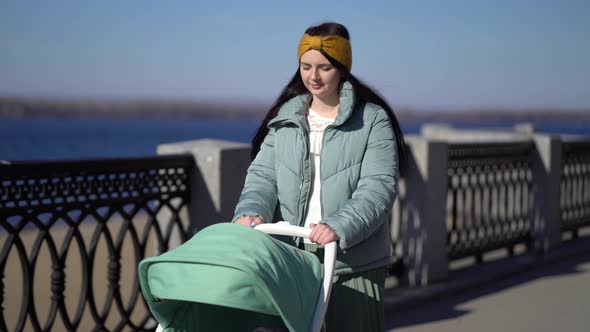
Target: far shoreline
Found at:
25, 108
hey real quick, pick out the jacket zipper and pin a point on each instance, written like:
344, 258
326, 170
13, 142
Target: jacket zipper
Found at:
320, 172
305, 157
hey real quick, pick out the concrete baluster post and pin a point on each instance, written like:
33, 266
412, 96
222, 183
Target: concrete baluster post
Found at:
217, 180
423, 226
546, 214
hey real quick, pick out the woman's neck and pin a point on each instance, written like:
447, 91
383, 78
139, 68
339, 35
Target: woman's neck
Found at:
325, 107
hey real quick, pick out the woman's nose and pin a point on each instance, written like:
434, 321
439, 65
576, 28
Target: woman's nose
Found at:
315, 74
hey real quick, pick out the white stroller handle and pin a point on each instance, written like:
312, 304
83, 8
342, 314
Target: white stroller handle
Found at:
284, 228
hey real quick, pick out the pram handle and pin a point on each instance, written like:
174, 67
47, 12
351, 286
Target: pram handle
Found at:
285, 228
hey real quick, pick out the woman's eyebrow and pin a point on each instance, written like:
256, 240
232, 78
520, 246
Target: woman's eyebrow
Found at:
320, 65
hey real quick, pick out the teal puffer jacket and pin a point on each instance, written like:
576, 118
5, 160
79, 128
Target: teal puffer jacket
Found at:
359, 175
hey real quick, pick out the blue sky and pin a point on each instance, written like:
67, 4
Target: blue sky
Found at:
422, 54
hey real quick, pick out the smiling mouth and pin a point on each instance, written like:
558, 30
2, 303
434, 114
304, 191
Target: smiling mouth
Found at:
316, 86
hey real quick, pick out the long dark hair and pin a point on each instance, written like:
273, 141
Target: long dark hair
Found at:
296, 87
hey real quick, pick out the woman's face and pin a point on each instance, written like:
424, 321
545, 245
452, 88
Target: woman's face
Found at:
319, 76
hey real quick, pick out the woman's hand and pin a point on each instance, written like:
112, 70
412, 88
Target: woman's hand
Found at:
249, 221
322, 234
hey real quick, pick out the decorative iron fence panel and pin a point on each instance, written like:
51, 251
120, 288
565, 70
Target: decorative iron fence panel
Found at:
489, 197
575, 185
73, 232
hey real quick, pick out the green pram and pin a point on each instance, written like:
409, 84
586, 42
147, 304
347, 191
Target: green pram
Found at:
228, 277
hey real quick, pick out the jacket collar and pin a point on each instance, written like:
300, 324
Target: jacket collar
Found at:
295, 109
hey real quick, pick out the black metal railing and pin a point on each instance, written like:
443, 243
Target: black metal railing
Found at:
73, 232
489, 197
575, 185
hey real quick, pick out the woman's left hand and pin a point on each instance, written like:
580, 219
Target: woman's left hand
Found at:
322, 234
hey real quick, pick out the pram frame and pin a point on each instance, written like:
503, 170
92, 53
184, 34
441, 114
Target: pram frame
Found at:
285, 228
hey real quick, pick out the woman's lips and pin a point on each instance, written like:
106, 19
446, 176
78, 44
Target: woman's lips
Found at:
316, 86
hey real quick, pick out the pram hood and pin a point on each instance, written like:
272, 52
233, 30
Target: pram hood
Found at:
231, 266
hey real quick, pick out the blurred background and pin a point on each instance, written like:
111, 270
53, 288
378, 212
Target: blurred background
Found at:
115, 79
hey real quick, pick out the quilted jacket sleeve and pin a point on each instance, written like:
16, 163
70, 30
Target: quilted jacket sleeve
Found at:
259, 195
372, 200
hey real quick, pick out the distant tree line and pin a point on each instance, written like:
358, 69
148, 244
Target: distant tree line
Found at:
82, 108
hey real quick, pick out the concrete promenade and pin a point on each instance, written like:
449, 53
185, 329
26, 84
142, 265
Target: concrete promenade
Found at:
515, 294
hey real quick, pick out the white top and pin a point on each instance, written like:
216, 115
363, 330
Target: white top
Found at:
317, 125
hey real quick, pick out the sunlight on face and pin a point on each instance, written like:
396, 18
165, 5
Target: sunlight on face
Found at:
319, 76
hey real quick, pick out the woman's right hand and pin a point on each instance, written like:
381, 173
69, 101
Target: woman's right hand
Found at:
249, 221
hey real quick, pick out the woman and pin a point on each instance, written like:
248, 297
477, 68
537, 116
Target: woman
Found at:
327, 156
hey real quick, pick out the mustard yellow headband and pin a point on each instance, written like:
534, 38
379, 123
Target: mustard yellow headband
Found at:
335, 46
